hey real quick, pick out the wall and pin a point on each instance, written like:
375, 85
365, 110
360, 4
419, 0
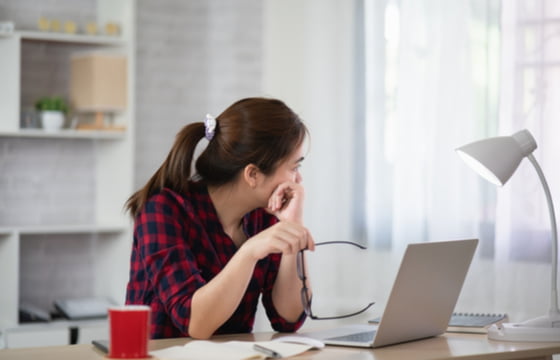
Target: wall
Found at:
193, 57
308, 60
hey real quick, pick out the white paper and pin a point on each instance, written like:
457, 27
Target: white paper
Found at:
231, 350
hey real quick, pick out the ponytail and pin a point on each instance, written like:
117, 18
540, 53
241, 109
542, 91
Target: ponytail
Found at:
255, 131
175, 172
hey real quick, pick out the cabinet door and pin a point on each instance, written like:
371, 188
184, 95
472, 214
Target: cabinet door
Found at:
36, 337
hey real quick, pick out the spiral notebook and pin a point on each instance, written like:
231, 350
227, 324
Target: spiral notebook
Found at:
469, 322
474, 323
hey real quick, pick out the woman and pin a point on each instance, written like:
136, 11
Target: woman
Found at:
206, 246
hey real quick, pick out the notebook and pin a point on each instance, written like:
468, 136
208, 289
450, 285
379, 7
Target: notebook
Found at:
421, 301
477, 323
474, 323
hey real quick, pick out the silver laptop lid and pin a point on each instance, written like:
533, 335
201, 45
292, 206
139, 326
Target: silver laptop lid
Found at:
421, 301
425, 290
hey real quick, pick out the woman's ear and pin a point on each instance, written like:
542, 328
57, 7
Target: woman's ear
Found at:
251, 175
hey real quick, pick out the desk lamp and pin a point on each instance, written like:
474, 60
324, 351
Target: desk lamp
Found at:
496, 159
98, 87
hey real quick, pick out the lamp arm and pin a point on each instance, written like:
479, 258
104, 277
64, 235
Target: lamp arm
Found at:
554, 291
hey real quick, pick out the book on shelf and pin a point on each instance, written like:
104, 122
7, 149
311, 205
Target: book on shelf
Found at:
469, 322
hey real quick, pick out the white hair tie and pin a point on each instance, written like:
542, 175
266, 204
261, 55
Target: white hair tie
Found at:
209, 127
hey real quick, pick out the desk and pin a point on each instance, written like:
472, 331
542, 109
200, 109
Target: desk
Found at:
447, 346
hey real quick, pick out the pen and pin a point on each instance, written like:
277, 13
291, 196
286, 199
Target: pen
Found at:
268, 352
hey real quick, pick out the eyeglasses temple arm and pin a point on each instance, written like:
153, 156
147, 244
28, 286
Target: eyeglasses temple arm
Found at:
342, 242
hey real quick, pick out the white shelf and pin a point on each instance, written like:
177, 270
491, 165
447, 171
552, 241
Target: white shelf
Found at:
59, 323
65, 229
66, 133
68, 38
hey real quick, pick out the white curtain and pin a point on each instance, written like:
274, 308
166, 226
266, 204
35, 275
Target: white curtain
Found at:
455, 72
530, 87
432, 195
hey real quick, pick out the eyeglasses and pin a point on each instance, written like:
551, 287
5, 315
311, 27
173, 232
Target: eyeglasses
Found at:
306, 297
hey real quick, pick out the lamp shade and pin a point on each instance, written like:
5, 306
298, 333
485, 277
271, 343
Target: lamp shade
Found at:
496, 159
98, 82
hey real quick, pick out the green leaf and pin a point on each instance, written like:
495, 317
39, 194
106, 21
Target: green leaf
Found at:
55, 103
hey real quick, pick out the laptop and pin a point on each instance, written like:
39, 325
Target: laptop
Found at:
421, 301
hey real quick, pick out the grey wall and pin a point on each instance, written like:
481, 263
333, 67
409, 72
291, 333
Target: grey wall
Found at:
193, 57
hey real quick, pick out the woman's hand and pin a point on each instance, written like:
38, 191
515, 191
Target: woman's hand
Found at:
286, 202
286, 237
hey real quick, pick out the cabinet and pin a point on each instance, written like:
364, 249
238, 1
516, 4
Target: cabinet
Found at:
103, 229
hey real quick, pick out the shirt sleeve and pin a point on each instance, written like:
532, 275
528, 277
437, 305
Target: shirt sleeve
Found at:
170, 264
277, 322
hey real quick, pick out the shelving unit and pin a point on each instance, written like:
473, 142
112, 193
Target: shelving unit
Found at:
10, 69
109, 228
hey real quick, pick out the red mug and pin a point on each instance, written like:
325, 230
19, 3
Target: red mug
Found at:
129, 331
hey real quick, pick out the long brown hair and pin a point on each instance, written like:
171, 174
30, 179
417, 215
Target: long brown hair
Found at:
257, 131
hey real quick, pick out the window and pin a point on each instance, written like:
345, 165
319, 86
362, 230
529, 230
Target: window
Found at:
439, 75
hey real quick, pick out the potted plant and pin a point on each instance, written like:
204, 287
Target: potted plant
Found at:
52, 112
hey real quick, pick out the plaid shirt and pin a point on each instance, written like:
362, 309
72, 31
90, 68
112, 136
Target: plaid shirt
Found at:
180, 245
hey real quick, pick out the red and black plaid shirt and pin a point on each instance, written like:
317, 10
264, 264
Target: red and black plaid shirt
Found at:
180, 245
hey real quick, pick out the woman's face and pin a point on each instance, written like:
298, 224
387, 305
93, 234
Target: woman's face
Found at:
287, 170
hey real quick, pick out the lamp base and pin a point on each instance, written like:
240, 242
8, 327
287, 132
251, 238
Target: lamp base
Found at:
542, 329
99, 124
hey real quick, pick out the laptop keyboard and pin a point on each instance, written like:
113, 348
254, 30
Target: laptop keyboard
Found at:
362, 337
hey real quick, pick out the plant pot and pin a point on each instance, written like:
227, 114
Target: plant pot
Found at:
52, 120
